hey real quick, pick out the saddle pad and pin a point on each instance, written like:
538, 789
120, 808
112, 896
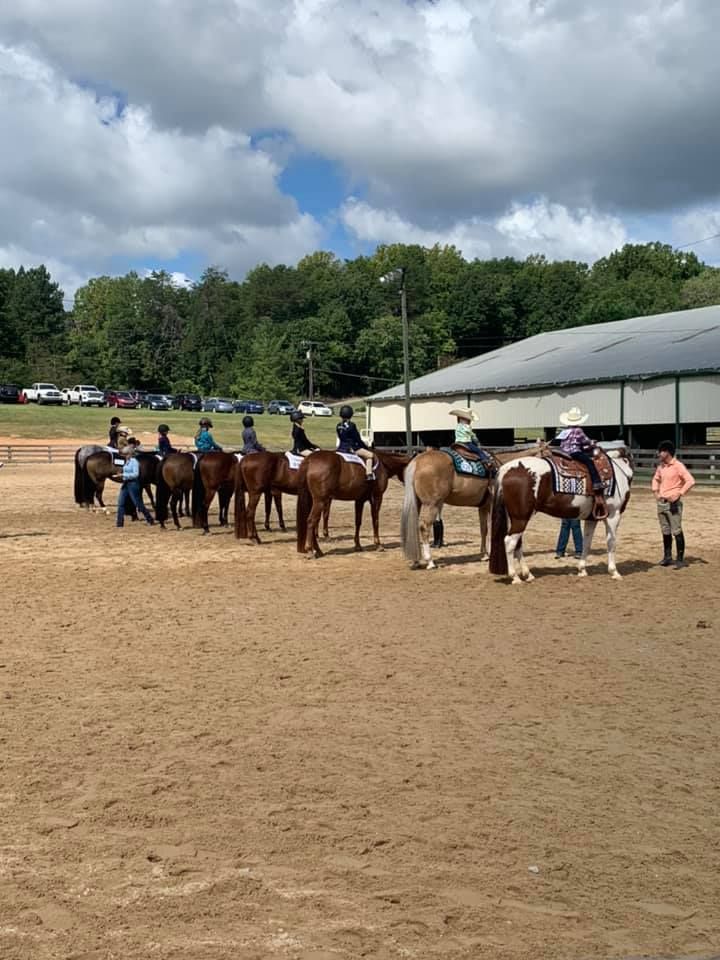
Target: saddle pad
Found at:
567, 479
194, 457
294, 460
239, 456
354, 458
466, 468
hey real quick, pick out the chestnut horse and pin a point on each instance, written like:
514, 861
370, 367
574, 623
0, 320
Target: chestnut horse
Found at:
325, 476
270, 474
525, 487
174, 482
215, 473
431, 480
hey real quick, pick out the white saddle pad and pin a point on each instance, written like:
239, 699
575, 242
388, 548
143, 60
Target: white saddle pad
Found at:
351, 458
239, 456
294, 460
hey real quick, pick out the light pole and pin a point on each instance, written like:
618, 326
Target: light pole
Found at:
398, 276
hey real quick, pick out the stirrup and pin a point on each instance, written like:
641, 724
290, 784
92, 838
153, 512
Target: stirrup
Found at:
599, 510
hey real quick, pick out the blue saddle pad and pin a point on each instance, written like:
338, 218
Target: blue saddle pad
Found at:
467, 468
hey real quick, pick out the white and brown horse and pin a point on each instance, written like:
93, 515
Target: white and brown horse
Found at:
526, 486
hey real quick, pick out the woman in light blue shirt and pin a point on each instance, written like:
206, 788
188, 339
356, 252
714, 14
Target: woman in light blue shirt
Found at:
130, 489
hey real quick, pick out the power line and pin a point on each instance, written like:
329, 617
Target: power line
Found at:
682, 246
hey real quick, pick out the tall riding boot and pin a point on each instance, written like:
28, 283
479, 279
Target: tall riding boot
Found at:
667, 550
438, 533
680, 548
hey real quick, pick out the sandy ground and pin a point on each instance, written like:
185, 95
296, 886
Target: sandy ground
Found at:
211, 750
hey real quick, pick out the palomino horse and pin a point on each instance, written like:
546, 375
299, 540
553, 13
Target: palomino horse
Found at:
431, 481
215, 473
95, 464
174, 481
326, 476
526, 486
271, 474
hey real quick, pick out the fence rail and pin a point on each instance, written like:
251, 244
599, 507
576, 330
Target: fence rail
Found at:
36, 453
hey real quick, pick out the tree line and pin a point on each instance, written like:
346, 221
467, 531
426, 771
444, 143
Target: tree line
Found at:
251, 338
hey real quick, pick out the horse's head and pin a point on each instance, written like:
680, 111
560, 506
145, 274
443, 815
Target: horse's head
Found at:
394, 463
622, 452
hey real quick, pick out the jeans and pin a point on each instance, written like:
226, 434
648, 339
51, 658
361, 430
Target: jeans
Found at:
477, 450
130, 490
566, 527
588, 461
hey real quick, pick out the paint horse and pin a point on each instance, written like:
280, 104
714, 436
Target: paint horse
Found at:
529, 485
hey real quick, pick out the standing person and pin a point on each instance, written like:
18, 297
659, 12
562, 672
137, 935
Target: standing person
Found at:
350, 441
464, 433
250, 440
568, 526
671, 482
130, 489
302, 447
164, 447
204, 441
578, 445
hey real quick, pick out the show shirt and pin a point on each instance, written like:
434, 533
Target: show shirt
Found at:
464, 433
349, 439
250, 442
131, 470
204, 442
300, 440
575, 441
672, 480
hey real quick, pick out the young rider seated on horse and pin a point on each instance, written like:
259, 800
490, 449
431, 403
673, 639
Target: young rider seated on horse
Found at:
118, 434
350, 441
164, 447
465, 435
576, 443
251, 443
302, 447
204, 441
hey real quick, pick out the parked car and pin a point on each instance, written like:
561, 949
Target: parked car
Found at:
218, 405
249, 406
43, 393
281, 406
312, 408
121, 398
157, 401
86, 395
9, 393
187, 401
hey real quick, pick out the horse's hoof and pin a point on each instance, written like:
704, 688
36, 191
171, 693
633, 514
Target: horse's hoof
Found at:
415, 565
582, 573
358, 548
529, 577
380, 548
431, 565
615, 575
516, 580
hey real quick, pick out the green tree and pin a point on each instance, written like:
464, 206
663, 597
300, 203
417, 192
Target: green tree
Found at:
702, 290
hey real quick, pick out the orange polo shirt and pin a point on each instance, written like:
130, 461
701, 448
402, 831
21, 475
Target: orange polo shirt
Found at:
672, 480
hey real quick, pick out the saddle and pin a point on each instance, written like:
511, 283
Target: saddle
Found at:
573, 477
468, 464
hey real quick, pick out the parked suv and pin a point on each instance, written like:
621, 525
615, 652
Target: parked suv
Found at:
187, 401
312, 408
249, 406
281, 406
9, 393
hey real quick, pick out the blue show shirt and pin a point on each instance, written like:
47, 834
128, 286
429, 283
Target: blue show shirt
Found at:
205, 443
349, 437
131, 470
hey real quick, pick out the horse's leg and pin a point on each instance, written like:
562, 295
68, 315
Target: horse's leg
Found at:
611, 525
520, 558
268, 508
99, 490
326, 522
359, 504
428, 514
484, 514
252, 504
312, 528
175, 499
277, 497
588, 534
151, 498
375, 504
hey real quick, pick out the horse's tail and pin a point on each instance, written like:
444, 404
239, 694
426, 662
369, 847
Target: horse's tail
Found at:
304, 506
498, 557
198, 497
241, 529
163, 495
78, 483
410, 517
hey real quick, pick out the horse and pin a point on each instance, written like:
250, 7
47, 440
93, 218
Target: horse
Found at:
325, 476
174, 481
214, 473
431, 481
95, 464
269, 473
525, 487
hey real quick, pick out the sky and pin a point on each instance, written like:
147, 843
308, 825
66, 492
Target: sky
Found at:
176, 134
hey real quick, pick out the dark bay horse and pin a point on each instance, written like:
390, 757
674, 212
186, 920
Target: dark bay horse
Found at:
215, 473
95, 464
174, 482
325, 476
270, 474
525, 487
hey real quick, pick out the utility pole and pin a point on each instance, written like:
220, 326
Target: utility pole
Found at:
398, 276
310, 344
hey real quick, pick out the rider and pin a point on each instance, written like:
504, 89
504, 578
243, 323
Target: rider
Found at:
164, 446
113, 433
250, 440
204, 441
465, 435
576, 443
302, 447
350, 441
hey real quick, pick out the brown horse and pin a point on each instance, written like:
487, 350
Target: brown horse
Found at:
525, 487
95, 464
270, 474
174, 482
431, 481
215, 473
326, 476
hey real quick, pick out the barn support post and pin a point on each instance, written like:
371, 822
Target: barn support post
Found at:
677, 413
622, 409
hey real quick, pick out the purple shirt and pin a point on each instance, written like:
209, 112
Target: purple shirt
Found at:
575, 440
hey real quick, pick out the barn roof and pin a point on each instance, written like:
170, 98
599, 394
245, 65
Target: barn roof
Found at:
687, 341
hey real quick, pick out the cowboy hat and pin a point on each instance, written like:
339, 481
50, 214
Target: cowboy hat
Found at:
573, 417
465, 414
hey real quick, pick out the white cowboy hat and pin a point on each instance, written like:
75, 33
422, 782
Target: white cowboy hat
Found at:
573, 417
465, 414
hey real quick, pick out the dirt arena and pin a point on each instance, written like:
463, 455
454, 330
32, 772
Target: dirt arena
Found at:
216, 751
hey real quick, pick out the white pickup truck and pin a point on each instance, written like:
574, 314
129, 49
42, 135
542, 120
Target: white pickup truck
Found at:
86, 395
43, 393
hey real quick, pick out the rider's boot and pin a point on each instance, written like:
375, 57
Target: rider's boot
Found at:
438, 533
667, 551
680, 547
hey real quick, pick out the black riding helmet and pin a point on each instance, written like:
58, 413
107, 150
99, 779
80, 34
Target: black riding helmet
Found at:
248, 422
346, 411
114, 421
296, 416
163, 428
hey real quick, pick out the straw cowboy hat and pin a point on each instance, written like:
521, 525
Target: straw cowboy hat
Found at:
573, 417
465, 414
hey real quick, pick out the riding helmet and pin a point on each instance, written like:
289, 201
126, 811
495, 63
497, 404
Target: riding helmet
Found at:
205, 422
248, 422
163, 428
296, 416
346, 411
